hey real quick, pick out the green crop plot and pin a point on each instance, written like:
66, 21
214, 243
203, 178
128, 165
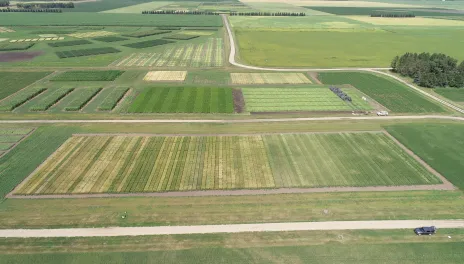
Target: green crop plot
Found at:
299, 99
148, 43
81, 97
438, 145
110, 39
181, 36
85, 52
340, 47
113, 98
183, 100
9, 137
20, 98
12, 82
109, 75
391, 94
50, 98
69, 43
15, 46
100, 164
146, 33
367, 11
453, 94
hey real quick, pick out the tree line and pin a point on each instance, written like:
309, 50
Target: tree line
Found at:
45, 10
45, 5
267, 14
4, 3
392, 15
430, 70
178, 12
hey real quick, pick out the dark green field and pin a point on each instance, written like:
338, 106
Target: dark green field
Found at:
349, 11
183, 100
439, 145
453, 94
12, 82
391, 94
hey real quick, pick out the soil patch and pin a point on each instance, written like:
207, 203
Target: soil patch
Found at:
19, 56
239, 101
314, 76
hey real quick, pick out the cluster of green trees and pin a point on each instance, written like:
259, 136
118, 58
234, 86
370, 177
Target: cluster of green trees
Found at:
392, 15
176, 12
46, 10
45, 5
267, 14
430, 70
4, 3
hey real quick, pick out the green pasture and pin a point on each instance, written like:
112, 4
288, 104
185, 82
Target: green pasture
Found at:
453, 94
391, 94
367, 11
376, 48
438, 145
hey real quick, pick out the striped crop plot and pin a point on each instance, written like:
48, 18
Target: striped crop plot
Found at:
19, 98
165, 76
81, 97
124, 164
92, 34
183, 100
208, 54
298, 99
112, 99
50, 98
269, 78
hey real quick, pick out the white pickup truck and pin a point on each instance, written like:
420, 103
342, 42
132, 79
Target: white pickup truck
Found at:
382, 113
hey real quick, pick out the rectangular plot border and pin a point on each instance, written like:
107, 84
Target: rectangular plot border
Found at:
444, 186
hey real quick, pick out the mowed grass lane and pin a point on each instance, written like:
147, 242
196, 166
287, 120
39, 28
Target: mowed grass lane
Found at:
183, 100
115, 164
299, 99
439, 145
391, 94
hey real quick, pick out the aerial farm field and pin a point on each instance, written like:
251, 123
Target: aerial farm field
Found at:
135, 113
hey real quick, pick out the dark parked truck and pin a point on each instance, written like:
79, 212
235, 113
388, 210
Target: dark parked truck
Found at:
426, 230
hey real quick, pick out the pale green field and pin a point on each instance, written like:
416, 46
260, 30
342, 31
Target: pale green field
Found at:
137, 9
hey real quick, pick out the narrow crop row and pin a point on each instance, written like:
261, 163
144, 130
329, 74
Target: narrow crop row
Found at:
50, 99
73, 76
110, 102
20, 98
82, 97
148, 43
86, 52
141, 34
69, 43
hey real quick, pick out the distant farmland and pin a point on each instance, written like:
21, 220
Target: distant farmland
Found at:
112, 164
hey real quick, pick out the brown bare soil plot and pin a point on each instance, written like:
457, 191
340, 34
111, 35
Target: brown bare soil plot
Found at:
19, 56
239, 101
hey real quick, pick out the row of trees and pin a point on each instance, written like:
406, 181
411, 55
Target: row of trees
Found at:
4, 3
178, 12
45, 5
430, 70
267, 14
46, 10
392, 15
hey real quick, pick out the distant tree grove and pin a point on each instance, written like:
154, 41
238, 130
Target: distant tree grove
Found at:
4, 3
46, 10
392, 15
430, 70
45, 5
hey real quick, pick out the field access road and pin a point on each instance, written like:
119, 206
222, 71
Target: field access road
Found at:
239, 228
225, 121
373, 70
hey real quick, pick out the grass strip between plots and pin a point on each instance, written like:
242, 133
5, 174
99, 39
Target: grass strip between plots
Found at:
50, 98
81, 97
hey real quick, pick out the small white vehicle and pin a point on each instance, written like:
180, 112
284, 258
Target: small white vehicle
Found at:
382, 113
